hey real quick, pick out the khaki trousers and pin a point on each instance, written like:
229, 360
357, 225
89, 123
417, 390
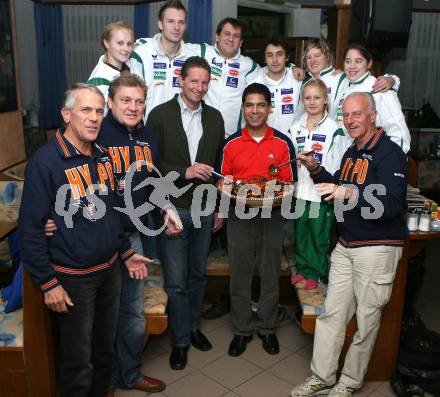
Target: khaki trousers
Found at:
360, 282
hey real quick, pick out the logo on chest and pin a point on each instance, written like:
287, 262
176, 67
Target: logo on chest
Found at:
217, 72
318, 137
80, 180
217, 63
159, 76
178, 62
287, 109
176, 82
159, 65
232, 82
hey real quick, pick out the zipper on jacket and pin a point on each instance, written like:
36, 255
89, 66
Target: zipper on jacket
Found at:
132, 153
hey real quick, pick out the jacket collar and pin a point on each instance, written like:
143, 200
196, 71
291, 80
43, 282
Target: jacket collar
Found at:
67, 150
375, 139
234, 58
119, 126
361, 79
328, 70
158, 46
303, 119
270, 81
323, 72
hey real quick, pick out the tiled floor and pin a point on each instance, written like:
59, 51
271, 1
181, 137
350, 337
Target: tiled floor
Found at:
256, 373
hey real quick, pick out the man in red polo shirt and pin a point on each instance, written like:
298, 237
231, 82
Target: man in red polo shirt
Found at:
256, 242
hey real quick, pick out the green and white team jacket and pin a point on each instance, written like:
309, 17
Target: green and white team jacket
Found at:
103, 74
159, 71
229, 78
335, 86
285, 97
389, 110
327, 140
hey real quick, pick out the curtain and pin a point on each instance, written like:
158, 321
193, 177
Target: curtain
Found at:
200, 21
27, 54
141, 16
51, 63
420, 70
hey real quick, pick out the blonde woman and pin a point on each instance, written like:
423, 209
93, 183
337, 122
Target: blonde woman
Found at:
315, 131
117, 40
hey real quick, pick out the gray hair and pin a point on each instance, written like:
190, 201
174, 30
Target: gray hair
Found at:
70, 94
368, 96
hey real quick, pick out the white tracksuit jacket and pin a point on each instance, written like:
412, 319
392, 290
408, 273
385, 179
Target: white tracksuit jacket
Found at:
335, 86
159, 71
229, 78
285, 95
328, 141
389, 110
103, 74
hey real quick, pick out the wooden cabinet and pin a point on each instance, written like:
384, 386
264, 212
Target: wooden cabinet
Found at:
11, 125
338, 31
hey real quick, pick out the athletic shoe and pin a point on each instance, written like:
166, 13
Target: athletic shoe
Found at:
313, 386
341, 390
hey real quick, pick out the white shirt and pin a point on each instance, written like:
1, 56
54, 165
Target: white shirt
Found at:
229, 78
159, 71
284, 97
327, 140
389, 110
103, 74
192, 124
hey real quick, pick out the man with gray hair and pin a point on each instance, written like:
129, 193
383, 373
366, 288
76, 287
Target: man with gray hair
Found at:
369, 192
70, 180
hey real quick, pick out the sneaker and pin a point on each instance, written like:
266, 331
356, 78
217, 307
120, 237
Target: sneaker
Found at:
296, 278
310, 284
341, 390
313, 386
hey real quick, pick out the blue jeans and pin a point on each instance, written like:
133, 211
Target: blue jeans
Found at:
131, 326
184, 261
87, 332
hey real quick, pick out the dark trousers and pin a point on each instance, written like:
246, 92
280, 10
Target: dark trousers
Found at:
184, 264
254, 244
131, 326
87, 332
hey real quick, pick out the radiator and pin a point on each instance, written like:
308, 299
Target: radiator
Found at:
83, 26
